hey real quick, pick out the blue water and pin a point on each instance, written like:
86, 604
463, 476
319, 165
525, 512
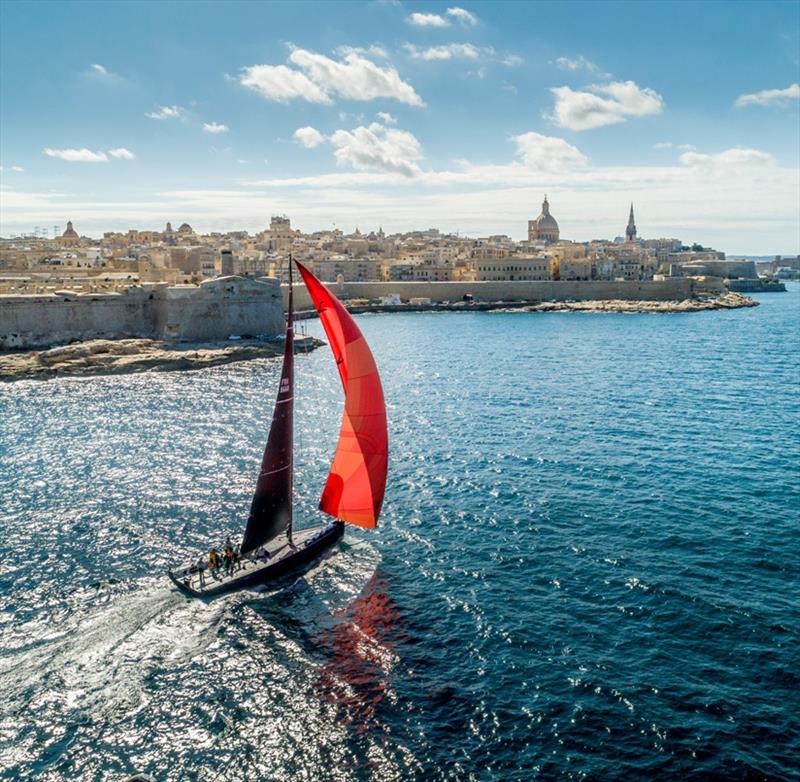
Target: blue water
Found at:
587, 567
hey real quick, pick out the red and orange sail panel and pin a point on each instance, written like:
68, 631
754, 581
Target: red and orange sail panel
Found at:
357, 479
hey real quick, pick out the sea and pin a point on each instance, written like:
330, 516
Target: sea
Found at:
587, 566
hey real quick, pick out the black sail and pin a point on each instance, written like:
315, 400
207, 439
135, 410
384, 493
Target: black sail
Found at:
271, 509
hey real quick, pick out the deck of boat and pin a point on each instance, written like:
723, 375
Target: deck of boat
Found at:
251, 570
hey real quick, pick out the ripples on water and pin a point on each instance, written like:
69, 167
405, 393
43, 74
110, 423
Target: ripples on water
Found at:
587, 567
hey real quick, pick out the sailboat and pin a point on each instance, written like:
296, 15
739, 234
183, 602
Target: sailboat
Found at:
272, 549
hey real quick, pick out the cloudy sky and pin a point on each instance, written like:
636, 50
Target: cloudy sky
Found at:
405, 115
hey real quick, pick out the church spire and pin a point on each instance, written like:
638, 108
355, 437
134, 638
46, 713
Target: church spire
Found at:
630, 231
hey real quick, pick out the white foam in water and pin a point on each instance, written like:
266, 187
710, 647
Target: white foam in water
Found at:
98, 659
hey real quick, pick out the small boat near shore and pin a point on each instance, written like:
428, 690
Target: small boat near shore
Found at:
272, 549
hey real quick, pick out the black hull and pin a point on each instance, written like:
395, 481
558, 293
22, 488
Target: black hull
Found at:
288, 566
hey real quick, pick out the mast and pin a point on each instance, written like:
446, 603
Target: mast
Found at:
271, 507
290, 330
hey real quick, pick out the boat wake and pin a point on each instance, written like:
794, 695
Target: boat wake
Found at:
97, 657
100, 662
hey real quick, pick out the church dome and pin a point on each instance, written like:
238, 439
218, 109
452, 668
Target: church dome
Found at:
70, 233
185, 229
70, 236
546, 222
544, 227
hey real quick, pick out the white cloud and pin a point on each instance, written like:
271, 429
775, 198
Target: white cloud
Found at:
670, 145
378, 148
579, 63
547, 153
121, 153
99, 74
448, 51
512, 60
428, 20
16, 169
730, 159
605, 104
745, 210
76, 155
166, 112
309, 137
436, 20
386, 118
357, 78
769, 97
279, 83
463, 16
319, 78
214, 127
373, 51
389, 156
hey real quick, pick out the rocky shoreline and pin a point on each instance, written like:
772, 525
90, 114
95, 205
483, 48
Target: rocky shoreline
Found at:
124, 356
727, 301
112, 357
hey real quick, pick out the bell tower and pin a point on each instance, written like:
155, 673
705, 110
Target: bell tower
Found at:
630, 231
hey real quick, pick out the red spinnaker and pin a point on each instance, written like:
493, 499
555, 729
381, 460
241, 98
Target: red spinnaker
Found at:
357, 480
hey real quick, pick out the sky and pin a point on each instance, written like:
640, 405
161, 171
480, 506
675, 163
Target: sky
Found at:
405, 115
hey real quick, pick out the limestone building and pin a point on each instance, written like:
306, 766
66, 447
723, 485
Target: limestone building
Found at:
544, 228
513, 267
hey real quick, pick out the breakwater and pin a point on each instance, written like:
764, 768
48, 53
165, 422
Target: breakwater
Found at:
669, 289
727, 301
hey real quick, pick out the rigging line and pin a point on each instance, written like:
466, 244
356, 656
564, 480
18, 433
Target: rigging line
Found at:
278, 469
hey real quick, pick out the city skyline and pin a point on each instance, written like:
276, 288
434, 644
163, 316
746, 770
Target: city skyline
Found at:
405, 115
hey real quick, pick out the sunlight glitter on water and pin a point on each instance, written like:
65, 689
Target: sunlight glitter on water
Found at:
567, 581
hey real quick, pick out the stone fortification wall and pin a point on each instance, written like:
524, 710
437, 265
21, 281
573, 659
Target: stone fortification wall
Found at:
546, 290
217, 309
41, 321
744, 269
214, 310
